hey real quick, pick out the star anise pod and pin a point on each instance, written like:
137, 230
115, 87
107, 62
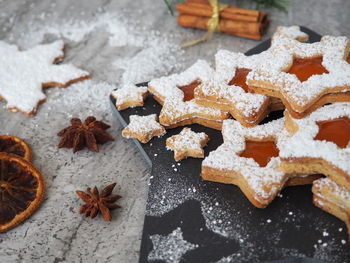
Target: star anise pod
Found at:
89, 133
96, 202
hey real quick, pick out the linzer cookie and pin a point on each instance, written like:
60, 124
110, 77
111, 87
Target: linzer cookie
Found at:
129, 96
333, 199
249, 158
176, 93
187, 144
317, 74
143, 128
228, 91
23, 74
320, 144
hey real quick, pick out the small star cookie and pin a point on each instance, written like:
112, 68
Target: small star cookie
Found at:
333, 199
176, 94
129, 96
249, 158
187, 144
317, 74
143, 128
320, 143
23, 74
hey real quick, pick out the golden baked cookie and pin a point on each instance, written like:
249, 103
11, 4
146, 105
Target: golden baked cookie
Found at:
143, 128
320, 143
187, 144
176, 94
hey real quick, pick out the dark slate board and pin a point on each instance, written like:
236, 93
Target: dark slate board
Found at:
301, 235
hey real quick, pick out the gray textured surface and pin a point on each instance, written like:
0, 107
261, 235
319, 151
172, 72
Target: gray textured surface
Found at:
56, 233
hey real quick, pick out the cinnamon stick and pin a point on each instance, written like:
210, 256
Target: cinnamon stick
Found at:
230, 12
250, 30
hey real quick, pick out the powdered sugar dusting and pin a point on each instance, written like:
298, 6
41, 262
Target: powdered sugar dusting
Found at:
155, 59
77, 30
170, 248
155, 54
23, 74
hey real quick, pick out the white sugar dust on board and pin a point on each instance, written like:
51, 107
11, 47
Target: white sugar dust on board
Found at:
170, 248
170, 189
148, 53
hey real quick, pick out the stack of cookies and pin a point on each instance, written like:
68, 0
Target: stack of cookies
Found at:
311, 81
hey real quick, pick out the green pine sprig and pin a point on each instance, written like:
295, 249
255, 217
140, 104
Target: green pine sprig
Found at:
168, 3
280, 5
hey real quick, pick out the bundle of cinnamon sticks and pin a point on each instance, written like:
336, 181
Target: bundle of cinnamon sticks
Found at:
235, 21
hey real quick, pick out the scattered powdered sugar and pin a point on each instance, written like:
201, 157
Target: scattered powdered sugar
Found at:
325, 249
170, 248
156, 53
155, 59
90, 95
238, 220
77, 30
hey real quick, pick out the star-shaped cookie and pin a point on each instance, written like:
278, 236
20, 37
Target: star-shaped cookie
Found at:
143, 128
249, 158
23, 74
129, 96
317, 74
169, 248
187, 144
176, 94
320, 143
227, 89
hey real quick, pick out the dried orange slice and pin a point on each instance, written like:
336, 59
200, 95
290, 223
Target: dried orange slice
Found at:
15, 145
21, 190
